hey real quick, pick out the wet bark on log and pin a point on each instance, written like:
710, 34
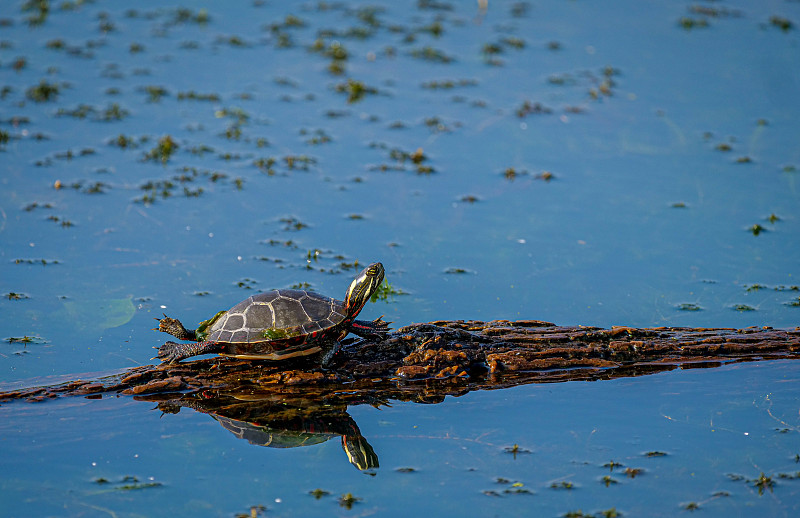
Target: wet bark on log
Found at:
425, 362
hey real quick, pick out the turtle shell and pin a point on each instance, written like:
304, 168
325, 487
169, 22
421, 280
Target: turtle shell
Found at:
279, 324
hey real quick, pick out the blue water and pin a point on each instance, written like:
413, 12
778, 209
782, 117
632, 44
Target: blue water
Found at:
720, 429
666, 146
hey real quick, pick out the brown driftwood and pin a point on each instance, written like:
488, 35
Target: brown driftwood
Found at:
426, 362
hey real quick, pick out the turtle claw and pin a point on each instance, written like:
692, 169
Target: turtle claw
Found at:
174, 327
380, 322
170, 352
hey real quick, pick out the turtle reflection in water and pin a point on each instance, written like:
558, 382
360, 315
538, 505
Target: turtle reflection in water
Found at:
282, 422
280, 324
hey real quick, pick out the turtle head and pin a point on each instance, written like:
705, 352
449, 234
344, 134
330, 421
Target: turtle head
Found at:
362, 288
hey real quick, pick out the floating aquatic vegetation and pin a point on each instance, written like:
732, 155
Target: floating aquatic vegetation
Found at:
435, 29
162, 152
43, 92
291, 21
429, 53
437, 125
154, 92
756, 229
319, 493
128, 483
714, 11
529, 108
38, 9
238, 115
608, 481
689, 23
386, 291
355, 90
112, 112
316, 137
63, 155
65, 223
299, 162
782, 23
254, 512
200, 149
447, 84
762, 483
128, 142
195, 96
515, 449
234, 41
32, 339
347, 500
293, 224
490, 51
37, 205
246, 283
655, 453
266, 164
434, 5
633, 472
511, 173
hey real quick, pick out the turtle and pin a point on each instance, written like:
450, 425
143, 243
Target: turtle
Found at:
280, 324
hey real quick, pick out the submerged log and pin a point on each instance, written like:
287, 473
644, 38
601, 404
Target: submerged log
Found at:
426, 362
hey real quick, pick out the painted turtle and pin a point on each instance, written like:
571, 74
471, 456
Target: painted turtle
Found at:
279, 324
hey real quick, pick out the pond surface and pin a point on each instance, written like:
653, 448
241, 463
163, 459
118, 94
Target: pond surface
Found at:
649, 446
572, 162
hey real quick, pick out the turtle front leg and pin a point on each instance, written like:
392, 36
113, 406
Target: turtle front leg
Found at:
375, 330
172, 352
174, 327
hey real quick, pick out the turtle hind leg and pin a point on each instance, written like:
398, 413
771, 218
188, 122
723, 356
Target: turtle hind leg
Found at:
172, 352
174, 327
375, 329
327, 356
